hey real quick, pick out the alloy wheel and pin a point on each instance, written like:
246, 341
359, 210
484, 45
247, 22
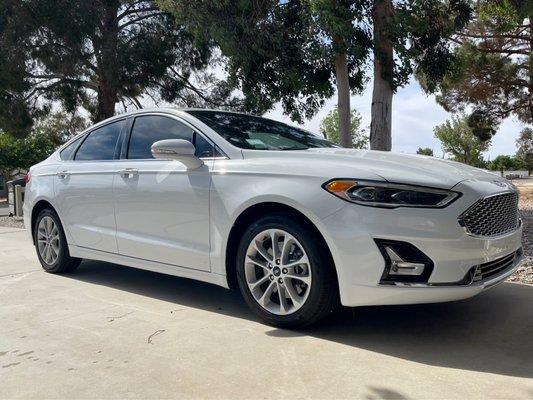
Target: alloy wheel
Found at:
277, 271
48, 240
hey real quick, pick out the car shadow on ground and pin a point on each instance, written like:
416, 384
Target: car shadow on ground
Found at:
489, 333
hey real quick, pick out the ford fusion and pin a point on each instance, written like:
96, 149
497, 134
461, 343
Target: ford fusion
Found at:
294, 222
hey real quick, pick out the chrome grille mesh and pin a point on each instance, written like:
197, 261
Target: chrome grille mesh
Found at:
492, 216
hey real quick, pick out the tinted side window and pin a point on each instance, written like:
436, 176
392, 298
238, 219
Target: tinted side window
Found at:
66, 153
203, 147
101, 143
149, 129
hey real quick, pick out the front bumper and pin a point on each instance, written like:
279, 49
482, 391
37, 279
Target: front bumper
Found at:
387, 295
352, 230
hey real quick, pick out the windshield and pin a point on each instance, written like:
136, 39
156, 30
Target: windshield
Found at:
249, 132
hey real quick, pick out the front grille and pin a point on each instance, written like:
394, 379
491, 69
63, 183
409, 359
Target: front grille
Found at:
492, 216
484, 271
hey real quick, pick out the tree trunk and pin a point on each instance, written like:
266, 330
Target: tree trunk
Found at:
107, 98
381, 123
107, 64
343, 99
531, 66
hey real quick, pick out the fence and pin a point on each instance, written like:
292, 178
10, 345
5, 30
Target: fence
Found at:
15, 198
515, 174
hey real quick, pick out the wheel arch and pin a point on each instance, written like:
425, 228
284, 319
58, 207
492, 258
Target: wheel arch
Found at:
252, 213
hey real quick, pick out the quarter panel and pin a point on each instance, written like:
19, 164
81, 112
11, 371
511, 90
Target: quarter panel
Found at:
40, 187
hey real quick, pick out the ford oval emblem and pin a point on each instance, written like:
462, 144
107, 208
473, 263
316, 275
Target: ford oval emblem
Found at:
500, 184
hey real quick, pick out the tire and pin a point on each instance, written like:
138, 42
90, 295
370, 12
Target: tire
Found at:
304, 292
49, 233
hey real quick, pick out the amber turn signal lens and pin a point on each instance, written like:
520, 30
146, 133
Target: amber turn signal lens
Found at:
340, 186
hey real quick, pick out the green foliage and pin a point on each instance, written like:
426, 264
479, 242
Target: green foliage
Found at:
525, 148
426, 151
493, 73
93, 54
330, 128
506, 163
421, 36
459, 141
483, 124
281, 51
61, 126
18, 155
284, 50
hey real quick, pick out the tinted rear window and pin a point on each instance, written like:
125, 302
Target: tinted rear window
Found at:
101, 143
68, 151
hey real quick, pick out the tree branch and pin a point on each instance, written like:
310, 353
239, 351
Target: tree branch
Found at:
138, 19
136, 11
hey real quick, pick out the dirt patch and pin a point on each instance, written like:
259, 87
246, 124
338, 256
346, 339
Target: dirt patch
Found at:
525, 273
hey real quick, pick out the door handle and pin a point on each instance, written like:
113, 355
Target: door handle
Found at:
129, 172
63, 174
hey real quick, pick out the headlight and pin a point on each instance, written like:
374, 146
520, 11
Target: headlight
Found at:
389, 195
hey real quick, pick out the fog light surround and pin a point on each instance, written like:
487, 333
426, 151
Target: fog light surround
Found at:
404, 263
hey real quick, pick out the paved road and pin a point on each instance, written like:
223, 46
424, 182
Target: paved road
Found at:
114, 332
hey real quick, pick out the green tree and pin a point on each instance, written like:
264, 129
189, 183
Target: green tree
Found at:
458, 140
18, 155
94, 54
410, 36
505, 163
525, 148
330, 128
494, 72
298, 52
426, 151
61, 126
293, 52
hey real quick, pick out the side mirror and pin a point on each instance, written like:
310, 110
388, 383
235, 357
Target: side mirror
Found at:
177, 149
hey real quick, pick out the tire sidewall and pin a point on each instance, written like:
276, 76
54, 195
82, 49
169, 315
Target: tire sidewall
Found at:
319, 265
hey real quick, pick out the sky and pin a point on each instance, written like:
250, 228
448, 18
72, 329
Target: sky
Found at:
414, 115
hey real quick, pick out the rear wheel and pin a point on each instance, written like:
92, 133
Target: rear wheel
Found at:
51, 244
284, 273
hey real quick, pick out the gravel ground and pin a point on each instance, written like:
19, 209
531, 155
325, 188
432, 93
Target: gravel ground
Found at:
523, 275
12, 222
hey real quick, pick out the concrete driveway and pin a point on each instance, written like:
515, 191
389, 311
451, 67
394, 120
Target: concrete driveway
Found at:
114, 332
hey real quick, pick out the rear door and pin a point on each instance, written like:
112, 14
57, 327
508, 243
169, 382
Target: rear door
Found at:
162, 209
84, 188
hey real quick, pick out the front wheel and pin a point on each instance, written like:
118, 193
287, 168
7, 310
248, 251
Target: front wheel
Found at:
285, 273
51, 244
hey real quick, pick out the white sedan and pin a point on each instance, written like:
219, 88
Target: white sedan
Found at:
298, 224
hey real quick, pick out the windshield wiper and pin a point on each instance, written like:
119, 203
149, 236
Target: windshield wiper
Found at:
291, 148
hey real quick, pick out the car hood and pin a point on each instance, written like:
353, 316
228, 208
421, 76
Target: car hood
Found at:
392, 167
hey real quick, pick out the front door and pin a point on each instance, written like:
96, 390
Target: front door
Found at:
162, 209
